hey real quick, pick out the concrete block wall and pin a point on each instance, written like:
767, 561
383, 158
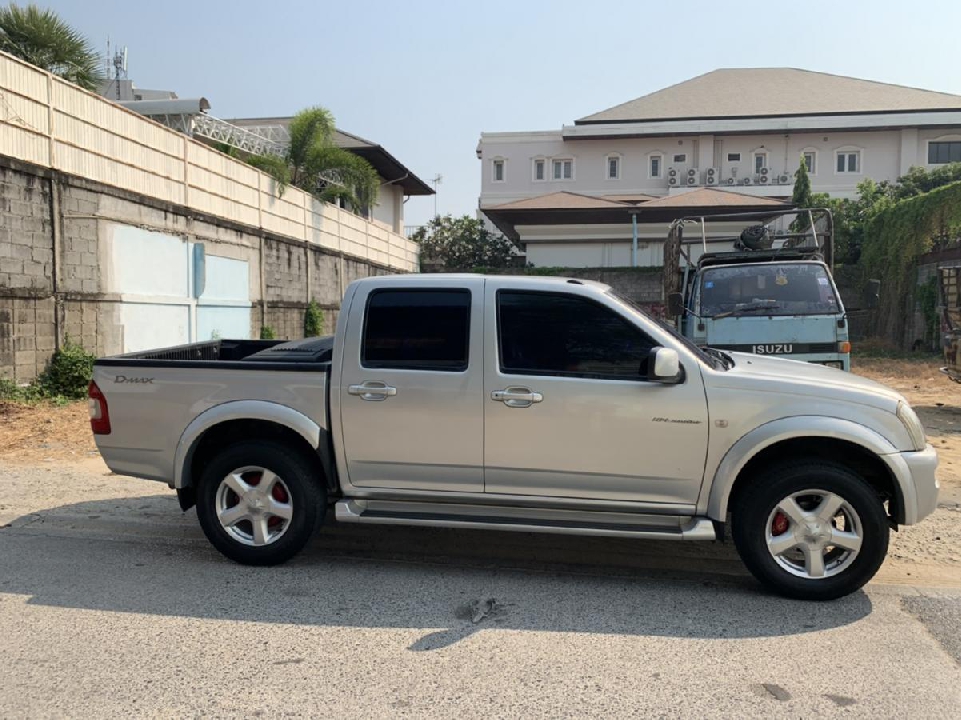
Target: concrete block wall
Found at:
285, 272
26, 255
27, 311
643, 286
55, 274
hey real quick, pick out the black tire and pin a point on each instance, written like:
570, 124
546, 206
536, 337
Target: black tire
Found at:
305, 490
756, 503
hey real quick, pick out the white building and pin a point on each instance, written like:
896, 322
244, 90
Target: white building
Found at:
741, 130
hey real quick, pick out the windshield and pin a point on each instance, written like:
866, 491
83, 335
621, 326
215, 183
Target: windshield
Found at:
667, 327
767, 289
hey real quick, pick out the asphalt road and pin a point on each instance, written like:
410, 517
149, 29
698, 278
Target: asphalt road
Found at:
116, 605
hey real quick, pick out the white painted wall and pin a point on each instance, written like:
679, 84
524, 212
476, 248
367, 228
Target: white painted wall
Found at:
882, 158
390, 207
154, 275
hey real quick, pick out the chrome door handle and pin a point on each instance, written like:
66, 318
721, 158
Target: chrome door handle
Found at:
517, 397
372, 390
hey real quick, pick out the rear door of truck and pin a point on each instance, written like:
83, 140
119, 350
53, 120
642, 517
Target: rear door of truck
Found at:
411, 385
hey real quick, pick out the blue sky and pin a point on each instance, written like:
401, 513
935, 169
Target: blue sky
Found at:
424, 78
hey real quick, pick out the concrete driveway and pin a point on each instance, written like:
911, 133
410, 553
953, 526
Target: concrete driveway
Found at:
112, 604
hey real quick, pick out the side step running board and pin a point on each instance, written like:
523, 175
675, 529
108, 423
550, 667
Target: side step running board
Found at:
567, 522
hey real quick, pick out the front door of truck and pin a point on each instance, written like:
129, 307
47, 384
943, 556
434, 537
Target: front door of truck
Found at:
569, 412
410, 391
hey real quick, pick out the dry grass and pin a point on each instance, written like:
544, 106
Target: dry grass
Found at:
40, 432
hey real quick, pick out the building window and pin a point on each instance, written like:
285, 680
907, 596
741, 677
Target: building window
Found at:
940, 153
656, 166
849, 161
613, 167
734, 157
498, 171
417, 330
540, 170
562, 169
760, 161
680, 159
810, 161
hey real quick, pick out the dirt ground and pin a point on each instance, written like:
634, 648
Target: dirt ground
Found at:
926, 554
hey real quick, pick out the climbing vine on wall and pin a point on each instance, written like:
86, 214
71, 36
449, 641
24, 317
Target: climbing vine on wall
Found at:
894, 240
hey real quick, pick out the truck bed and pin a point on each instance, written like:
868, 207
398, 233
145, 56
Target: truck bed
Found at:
300, 355
158, 393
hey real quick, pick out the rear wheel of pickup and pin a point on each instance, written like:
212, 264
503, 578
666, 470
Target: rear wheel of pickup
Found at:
811, 530
260, 502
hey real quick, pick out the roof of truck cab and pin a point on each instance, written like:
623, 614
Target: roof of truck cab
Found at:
550, 281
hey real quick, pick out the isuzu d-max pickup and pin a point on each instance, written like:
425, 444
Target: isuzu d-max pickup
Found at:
525, 404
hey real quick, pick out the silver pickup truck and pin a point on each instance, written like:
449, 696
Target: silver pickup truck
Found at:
526, 404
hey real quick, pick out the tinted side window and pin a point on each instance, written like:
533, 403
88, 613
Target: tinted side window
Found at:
417, 330
554, 334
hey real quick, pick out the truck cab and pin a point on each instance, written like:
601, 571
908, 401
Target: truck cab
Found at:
769, 291
767, 306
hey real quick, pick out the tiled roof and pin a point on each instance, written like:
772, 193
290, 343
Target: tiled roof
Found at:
558, 201
772, 92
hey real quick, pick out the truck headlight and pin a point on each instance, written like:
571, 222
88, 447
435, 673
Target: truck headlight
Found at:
912, 424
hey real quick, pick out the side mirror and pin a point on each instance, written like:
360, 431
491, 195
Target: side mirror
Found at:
675, 304
664, 366
872, 294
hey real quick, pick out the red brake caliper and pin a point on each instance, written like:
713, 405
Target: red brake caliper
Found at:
780, 523
279, 493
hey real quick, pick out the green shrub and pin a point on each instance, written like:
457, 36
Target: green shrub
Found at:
267, 333
68, 373
313, 320
9, 390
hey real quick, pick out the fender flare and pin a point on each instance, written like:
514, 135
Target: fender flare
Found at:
241, 410
804, 426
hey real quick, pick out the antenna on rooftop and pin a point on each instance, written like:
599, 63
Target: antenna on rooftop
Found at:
119, 62
435, 181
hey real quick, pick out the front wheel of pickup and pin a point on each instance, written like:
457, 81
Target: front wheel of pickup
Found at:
260, 502
811, 530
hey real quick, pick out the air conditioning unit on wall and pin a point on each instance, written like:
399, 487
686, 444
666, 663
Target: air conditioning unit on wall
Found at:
692, 172
763, 178
692, 179
673, 180
746, 181
672, 172
731, 181
710, 176
784, 179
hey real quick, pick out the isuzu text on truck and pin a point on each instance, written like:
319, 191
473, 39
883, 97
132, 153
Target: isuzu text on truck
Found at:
526, 404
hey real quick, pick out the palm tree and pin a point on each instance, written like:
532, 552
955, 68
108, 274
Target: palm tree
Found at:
41, 38
316, 165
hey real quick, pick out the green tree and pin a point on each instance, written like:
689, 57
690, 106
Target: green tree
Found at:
852, 215
41, 38
919, 180
459, 244
315, 164
801, 197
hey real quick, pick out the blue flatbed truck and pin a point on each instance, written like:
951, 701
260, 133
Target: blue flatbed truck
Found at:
764, 288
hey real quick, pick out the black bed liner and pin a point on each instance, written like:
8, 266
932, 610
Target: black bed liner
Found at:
307, 355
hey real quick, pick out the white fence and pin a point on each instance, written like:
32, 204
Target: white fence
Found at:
49, 122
